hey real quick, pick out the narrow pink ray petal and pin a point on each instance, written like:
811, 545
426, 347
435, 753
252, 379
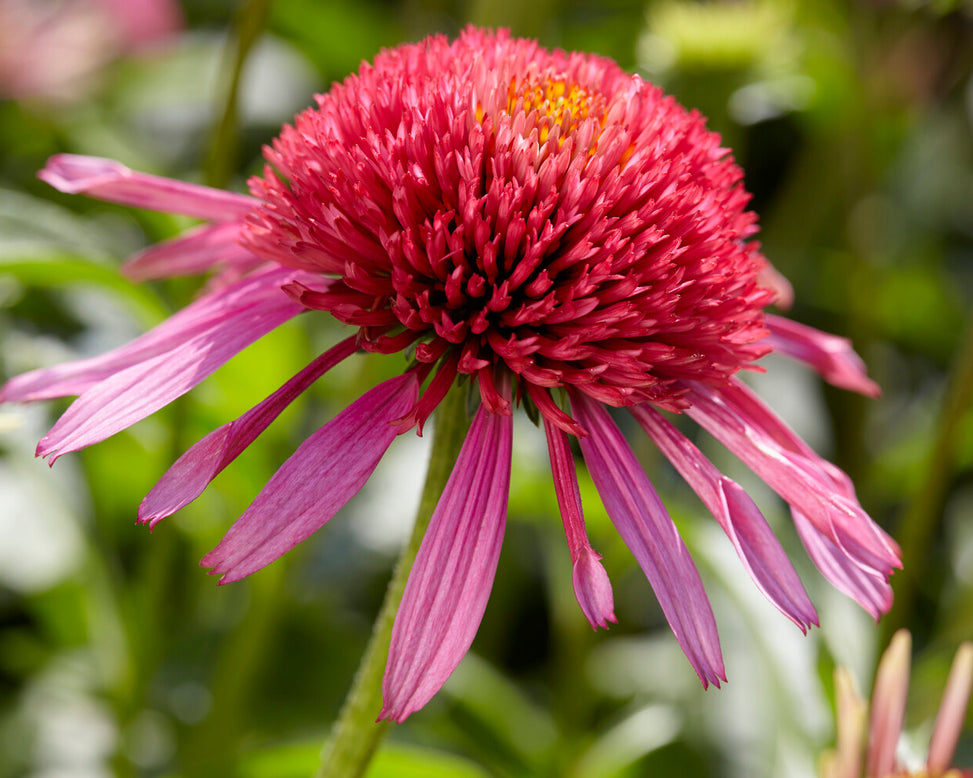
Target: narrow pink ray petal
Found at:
135, 392
753, 539
952, 712
591, 585
869, 590
641, 519
450, 582
106, 179
192, 253
212, 310
796, 477
888, 705
193, 471
830, 355
327, 470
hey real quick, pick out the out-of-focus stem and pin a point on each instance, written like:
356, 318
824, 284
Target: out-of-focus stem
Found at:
224, 144
921, 519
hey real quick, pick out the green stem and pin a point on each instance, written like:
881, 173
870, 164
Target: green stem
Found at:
356, 734
225, 138
918, 525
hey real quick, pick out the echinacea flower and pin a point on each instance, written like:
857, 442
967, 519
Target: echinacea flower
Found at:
888, 715
551, 229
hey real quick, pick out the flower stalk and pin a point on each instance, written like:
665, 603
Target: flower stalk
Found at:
224, 144
918, 525
356, 734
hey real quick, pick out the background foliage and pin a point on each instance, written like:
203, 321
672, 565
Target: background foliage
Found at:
119, 656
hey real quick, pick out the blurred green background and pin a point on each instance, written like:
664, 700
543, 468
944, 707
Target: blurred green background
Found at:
120, 656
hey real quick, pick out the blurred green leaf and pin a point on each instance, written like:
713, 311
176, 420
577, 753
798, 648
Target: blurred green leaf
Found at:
622, 746
59, 271
395, 760
399, 761
524, 737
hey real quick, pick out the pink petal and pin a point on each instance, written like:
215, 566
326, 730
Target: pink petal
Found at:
752, 407
591, 585
642, 521
106, 179
206, 313
869, 590
830, 355
952, 712
135, 392
193, 471
753, 539
592, 588
797, 477
450, 582
888, 705
195, 252
327, 470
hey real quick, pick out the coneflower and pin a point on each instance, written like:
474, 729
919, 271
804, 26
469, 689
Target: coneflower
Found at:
545, 227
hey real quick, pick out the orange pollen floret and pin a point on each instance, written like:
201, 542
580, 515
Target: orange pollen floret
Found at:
556, 103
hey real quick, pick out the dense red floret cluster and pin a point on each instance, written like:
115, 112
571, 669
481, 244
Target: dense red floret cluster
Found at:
496, 203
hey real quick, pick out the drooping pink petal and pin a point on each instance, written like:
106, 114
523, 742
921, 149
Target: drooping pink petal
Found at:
888, 705
106, 179
952, 712
131, 394
216, 309
450, 582
641, 519
753, 408
593, 588
832, 356
193, 471
753, 539
192, 253
869, 590
591, 585
797, 477
327, 470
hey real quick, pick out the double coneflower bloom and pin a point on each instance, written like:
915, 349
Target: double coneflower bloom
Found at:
542, 226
